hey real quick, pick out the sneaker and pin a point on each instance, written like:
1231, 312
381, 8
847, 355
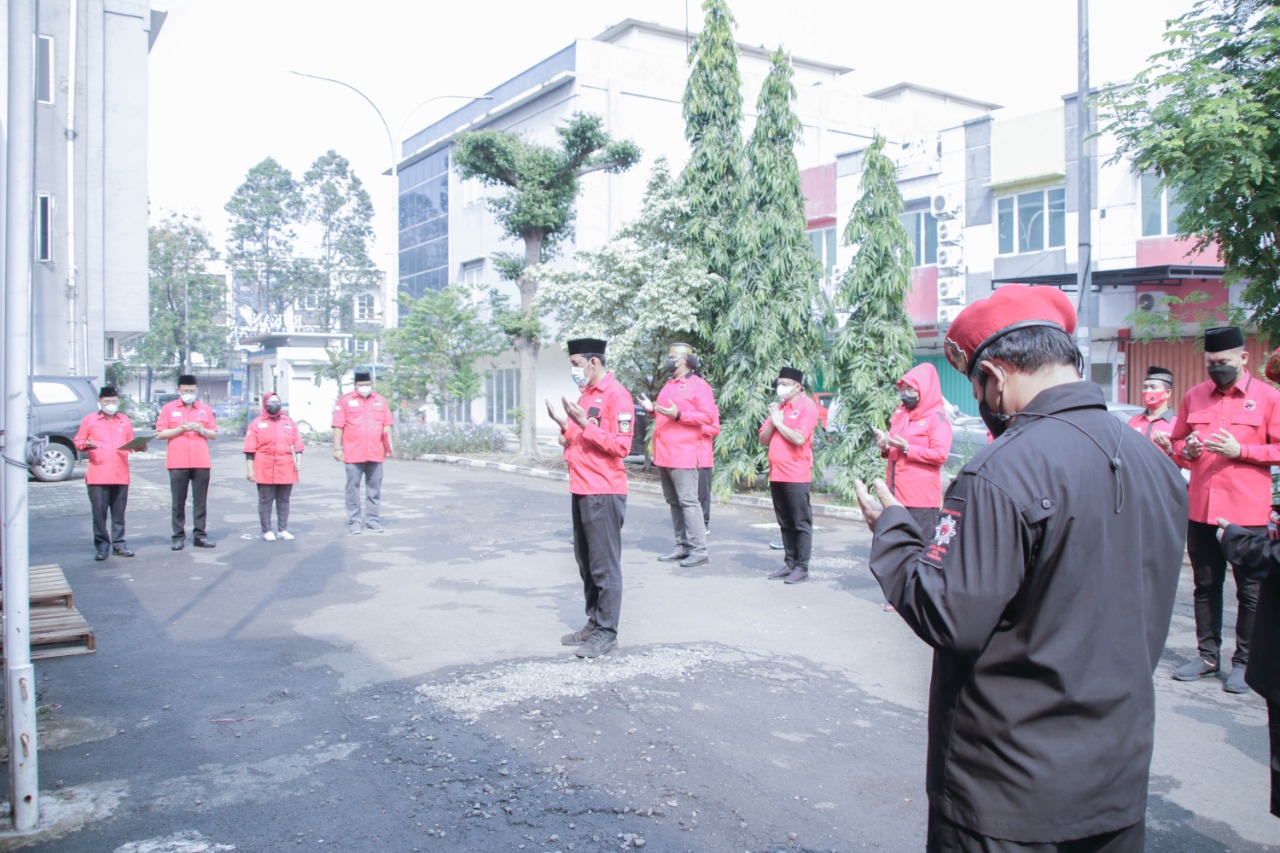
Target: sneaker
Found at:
1235, 681
781, 573
597, 644
578, 637
355, 529
269, 536
286, 535
777, 546
674, 557
375, 527
695, 560
797, 576
1195, 670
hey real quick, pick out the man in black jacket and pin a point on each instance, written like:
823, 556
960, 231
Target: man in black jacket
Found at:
1046, 592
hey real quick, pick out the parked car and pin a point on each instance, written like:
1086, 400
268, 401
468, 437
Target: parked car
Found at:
58, 404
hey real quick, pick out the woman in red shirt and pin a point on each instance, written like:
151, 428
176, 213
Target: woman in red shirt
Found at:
916, 446
273, 459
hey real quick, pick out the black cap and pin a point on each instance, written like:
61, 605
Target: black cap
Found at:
186, 379
363, 376
1163, 374
586, 346
1221, 338
792, 374
108, 391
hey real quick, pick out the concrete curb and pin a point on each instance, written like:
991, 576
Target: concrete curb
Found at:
847, 513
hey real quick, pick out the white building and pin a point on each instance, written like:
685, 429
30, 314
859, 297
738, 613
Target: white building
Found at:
89, 286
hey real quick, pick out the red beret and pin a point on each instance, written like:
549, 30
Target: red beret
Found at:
1273, 366
1014, 306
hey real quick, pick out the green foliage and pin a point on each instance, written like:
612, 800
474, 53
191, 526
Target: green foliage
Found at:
773, 319
186, 302
641, 292
341, 364
538, 209
872, 350
712, 181
433, 352
1205, 116
262, 213
413, 441
335, 200
1186, 316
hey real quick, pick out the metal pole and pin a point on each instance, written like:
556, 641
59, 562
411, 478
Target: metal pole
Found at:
20, 687
1088, 301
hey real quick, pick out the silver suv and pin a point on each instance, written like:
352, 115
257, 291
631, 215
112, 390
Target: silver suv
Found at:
58, 404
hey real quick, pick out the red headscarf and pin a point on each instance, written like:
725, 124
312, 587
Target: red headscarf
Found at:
267, 396
923, 378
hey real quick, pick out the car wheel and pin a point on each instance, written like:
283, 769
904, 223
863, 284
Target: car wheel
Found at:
56, 464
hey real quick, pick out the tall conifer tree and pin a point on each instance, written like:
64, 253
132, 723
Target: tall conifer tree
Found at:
873, 349
773, 318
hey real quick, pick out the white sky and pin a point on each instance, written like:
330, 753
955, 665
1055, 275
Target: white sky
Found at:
222, 99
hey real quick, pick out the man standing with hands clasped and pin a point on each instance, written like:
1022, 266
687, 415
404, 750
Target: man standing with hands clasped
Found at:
103, 434
1045, 590
788, 433
188, 425
684, 407
1228, 434
362, 439
595, 433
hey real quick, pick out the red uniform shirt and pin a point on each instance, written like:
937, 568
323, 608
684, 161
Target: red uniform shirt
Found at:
187, 449
108, 464
595, 452
363, 421
793, 463
1148, 427
707, 447
914, 475
1238, 490
273, 441
678, 441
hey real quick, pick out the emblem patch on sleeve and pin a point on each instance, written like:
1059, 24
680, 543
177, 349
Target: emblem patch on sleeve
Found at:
624, 422
943, 536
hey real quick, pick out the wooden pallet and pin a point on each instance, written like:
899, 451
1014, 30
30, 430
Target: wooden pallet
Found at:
57, 628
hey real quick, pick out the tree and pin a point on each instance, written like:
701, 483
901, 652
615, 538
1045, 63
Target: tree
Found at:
1205, 117
187, 304
262, 212
773, 318
872, 350
538, 208
341, 363
712, 180
335, 200
434, 350
641, 292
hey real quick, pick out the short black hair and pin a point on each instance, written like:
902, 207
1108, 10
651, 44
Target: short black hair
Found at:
1030, 350
590, 355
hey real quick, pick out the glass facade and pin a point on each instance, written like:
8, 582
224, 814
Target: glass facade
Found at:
424, 225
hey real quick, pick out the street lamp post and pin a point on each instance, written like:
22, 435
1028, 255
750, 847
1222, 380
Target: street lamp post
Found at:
393, 159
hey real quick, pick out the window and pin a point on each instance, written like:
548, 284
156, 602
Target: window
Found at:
1160, 207
502, 395
1031, 221
922, 231
364, 307
473, 273
365, 345
49, 393
44, 69
310, 301
44, 228
458, 412
824, 248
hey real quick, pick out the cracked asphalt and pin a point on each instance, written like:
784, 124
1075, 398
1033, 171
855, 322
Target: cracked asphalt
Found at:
407, 691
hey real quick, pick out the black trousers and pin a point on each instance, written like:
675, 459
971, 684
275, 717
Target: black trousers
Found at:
279, 496
795, 517
179, 480
597, 545
927, 519
1209, 571
103, 499
704, 495
1273, 727
948, 837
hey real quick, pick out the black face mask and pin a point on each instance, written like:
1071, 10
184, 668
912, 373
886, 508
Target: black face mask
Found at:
996, 423
273, 408
670, 365
1224, 375
909, 402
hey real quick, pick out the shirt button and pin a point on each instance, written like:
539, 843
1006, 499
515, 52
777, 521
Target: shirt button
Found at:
1046, 503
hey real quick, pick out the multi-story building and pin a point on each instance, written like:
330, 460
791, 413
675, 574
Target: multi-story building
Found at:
89, 284
633, 75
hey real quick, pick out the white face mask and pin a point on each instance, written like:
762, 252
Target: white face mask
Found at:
110, 409
785, 391
364, 390
579, 375
188, 399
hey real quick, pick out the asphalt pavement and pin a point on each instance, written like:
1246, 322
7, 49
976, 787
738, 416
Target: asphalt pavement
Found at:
407, 690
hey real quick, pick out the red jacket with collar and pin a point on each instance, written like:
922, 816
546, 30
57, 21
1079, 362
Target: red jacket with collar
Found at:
362, 421
678, 442
595, 452
793, 463
108, 464
273, 439
914, 475
187, 449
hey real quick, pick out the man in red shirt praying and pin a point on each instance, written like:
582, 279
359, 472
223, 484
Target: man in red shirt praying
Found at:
788, 433
101, 435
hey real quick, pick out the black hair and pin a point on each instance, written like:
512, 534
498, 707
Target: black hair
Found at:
590, 355
1030, 350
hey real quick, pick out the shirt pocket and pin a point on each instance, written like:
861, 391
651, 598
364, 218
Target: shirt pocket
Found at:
1199, 419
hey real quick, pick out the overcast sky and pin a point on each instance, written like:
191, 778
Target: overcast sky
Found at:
222, 99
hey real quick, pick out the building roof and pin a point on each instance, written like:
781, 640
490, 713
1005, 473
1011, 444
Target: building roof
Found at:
614, 32
883, 94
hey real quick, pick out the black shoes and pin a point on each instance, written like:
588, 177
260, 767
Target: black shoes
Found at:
1235, 681
578, 637
205, 543
597, 644
178, 544
1196, 670
121, 552
797, 576
694, 560
100, 556
674, 557
781, 573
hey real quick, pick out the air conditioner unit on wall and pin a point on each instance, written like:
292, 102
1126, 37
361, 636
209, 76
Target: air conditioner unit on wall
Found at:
951, 290
1152, 302
949, 256
948, 313
949, 231
945, 205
